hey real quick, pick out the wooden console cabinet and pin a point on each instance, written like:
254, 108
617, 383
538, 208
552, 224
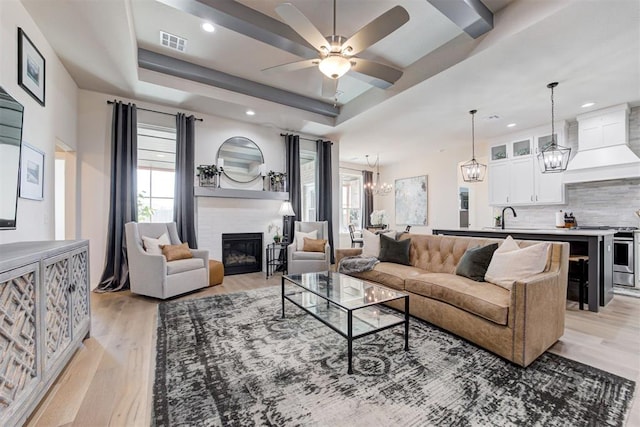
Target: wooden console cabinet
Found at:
44, 316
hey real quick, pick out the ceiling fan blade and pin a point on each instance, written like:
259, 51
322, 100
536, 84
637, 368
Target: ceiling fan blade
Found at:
293, 66
376, 30
329, 87
374, 73
301, 25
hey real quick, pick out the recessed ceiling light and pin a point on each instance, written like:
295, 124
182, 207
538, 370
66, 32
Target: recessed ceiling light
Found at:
251, 113
510, 125
208, 27
160, 155
588, 104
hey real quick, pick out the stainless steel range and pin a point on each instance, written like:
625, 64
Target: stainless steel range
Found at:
624, 264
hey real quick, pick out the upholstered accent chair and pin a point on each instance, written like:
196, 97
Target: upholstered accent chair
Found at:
152, 275
299, 261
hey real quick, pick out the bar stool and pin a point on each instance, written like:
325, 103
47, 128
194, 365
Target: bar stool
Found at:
582, 262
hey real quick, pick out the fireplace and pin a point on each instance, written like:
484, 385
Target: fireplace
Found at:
241, 253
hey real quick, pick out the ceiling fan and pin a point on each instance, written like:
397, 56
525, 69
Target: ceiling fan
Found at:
336, 54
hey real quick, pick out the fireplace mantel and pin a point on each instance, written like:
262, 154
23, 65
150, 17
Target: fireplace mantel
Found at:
239, 194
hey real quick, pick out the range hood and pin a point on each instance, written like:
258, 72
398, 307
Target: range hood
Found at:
603, 147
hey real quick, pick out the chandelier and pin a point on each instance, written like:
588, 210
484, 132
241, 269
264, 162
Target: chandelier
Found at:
376, 188
472, 171
553, 157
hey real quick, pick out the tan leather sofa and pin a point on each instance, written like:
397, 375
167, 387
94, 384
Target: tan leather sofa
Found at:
518, 324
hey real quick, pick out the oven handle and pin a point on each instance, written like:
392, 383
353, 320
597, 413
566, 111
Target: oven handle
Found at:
623, 239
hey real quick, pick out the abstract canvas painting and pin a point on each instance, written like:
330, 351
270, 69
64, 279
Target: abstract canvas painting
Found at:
411, 200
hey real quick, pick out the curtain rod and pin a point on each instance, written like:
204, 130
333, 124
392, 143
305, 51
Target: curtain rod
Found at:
352, 169
305, 139
154, 111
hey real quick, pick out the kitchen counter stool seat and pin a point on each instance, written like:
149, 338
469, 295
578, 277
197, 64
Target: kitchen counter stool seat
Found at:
582, 275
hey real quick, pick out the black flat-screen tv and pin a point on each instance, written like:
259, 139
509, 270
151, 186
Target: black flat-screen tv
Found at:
11, 113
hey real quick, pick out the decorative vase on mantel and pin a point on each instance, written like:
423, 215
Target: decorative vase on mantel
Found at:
208, 181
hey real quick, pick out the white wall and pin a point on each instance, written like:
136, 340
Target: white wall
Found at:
41, 125
214, 215
442, 170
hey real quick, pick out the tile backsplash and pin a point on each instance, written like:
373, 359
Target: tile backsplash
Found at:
592, 203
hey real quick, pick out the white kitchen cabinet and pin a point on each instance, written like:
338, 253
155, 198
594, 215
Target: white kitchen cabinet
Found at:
515, 177
499, 188
521, 180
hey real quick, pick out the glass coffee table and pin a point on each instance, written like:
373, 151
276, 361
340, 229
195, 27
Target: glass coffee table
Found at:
347, 305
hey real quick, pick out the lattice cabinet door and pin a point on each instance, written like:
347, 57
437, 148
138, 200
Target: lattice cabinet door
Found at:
19, 372
79, 286
57, 336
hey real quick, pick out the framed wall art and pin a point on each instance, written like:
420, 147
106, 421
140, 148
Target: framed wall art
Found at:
31, 173
411, 200
31, 68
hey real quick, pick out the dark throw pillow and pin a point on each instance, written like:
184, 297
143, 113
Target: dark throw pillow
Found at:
475, 261
392, 250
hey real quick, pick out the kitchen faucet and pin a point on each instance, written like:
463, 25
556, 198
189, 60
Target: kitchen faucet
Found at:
512, 210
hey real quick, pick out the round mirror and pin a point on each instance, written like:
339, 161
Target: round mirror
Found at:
241, 159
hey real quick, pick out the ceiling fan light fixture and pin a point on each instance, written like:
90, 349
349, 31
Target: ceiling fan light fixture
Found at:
334, 66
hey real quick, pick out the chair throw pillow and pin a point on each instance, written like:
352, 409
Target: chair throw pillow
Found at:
314, 245
510, 263
475, 261
371, 245
299, 236
392, 250
175, 252
152, 246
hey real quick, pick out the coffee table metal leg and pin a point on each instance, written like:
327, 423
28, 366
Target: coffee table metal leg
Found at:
406, 323
282, 280
350, 340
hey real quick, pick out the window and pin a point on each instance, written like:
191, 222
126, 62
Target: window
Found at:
156, 173
308, 179
351, 186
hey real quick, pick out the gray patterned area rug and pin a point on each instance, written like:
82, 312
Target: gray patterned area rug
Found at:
231, 360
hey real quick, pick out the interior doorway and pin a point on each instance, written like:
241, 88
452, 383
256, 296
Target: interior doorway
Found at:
64, 192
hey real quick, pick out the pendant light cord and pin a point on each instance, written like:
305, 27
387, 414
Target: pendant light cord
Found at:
553, 128
473, 133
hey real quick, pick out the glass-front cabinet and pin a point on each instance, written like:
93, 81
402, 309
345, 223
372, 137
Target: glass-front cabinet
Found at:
513, 172
499, 152
521, 148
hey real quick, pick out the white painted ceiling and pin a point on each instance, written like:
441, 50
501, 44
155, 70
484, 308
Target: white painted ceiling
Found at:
592, 47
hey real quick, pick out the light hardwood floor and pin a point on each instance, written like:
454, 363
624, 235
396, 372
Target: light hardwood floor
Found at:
109, 380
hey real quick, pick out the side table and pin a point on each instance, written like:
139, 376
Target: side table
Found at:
276, 257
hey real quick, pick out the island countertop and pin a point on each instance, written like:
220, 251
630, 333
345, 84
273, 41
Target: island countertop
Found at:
599, 249
551, 231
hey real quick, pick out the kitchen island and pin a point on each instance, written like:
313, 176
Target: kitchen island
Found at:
597, 244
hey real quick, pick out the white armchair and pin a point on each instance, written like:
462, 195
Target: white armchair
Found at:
153, 275
299, 261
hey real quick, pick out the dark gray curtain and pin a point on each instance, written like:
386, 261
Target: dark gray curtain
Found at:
184, 201
123, 197
292, 143
324, 195
367, 208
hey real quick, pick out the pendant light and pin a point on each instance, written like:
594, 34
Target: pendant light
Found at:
472, 171
377, 188
553, 157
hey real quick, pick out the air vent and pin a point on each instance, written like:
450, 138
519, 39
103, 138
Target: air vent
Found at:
173, 42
